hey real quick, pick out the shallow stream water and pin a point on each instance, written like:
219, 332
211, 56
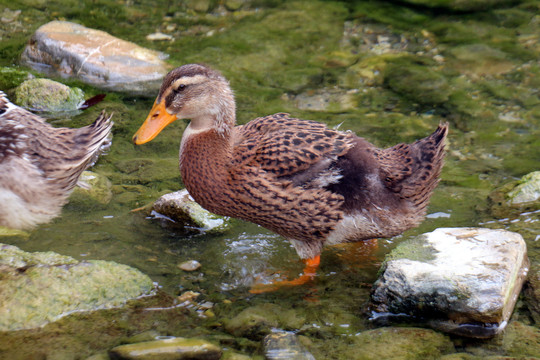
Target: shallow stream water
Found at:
276, 54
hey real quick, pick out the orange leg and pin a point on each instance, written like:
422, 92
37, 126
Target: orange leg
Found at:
310, 270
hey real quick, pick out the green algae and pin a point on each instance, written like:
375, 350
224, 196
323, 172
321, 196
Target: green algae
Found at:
414, 249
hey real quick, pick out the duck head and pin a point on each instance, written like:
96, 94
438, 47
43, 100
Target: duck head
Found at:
193, 92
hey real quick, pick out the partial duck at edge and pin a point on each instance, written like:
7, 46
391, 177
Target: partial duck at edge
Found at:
40, 164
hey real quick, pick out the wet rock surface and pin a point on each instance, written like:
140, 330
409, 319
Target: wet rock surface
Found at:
178, 209
460, 280
167, 349
517, 196
532, 292
62, 48
49, 97
38, 288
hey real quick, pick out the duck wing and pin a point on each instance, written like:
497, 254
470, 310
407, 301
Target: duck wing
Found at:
64, 153
299, 151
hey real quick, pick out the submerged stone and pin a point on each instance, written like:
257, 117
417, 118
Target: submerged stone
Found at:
517, 196
460, 5
396, 343
285, 345
480, 60
532, 292
167, 349
417, 83
326, 100
460, 280
93, 188
48, 96
95, 57
190, 265
179, 209
258, 321
38, 288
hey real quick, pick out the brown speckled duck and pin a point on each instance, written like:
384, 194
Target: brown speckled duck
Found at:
311, 184
40, 164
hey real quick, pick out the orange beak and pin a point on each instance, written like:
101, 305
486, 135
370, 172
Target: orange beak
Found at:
156, 121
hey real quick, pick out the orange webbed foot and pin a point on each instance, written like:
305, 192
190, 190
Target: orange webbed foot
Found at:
310, 271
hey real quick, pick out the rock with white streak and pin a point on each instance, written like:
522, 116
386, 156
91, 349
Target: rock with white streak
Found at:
460, 280
179, 210
61, 48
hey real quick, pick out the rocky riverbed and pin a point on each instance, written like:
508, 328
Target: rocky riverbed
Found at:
388, 71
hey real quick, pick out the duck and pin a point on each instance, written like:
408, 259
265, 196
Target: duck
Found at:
40, 165
309, 183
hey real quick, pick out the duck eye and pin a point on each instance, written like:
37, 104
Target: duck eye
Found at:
180, 88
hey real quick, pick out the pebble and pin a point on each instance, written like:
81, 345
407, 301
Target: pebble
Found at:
190, 265
159, 37
188, 296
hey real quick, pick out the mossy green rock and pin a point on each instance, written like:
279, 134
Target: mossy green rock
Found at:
516, 197
167, 349
38, 288
396, 343
95, 189
480, 59
417, 83
257, 321
49, 96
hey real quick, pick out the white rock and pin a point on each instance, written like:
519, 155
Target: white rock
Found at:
461, 280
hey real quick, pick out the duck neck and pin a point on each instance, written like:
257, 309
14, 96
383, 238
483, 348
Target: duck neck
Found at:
204, 155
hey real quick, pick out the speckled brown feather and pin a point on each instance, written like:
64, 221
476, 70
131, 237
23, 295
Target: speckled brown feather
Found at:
40, 164
309, 183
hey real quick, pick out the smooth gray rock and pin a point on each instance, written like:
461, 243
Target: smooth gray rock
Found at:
460, 280
67, 49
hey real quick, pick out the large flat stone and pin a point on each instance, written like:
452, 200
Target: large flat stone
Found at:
460, 280
67, 49
42, 287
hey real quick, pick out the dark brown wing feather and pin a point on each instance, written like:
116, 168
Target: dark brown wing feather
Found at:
412, 170
286, 146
